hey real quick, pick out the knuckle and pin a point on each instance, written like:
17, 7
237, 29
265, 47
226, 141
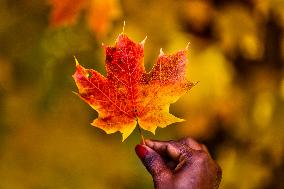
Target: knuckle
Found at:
190, 142
172, 142
185, 140
188, 139
155, 146
201, 157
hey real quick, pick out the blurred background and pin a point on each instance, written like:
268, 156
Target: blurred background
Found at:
237, 108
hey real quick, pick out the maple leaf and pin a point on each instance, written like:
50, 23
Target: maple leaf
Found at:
128, 94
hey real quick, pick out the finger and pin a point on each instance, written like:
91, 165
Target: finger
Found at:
171, 148
153, 163
190, 142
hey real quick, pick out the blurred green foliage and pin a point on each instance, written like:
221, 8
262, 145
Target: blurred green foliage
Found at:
237, 108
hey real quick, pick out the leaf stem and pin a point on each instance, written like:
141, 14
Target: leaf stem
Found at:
140, 131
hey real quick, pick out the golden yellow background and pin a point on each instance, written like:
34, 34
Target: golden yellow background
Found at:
237, 109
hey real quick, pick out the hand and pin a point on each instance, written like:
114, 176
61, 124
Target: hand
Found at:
183, 164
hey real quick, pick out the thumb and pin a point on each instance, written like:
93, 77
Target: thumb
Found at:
154, 163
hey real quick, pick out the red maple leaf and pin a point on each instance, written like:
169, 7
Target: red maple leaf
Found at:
128, 94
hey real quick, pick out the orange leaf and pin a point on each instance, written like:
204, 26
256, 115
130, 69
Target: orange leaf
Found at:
128, 94
99, 14
65, 12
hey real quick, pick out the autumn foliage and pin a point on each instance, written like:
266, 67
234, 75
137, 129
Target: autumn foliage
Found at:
98, 14
128, 94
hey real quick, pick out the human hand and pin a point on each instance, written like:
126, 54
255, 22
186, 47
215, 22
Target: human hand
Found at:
183, 164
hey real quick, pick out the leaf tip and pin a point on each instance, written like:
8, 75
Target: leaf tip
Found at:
77, 94
124, 136
124, 23
143, 41
76, 61
180, 120
187, 46
153, 130
161, 52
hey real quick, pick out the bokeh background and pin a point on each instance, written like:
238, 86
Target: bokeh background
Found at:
237, 108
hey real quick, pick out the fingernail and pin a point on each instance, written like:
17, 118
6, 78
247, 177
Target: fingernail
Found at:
141, 151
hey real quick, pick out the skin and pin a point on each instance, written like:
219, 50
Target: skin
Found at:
182, 164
